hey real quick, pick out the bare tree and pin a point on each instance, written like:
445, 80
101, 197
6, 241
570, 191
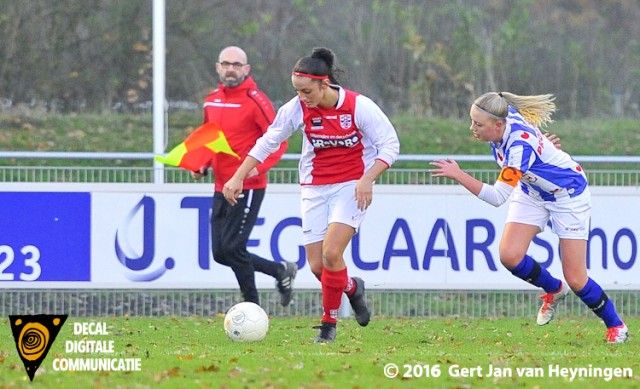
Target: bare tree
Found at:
427, 58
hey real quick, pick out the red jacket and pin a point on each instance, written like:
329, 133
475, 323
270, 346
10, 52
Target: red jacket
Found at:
243, 113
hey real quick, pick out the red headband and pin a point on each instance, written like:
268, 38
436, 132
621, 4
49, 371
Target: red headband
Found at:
313, 76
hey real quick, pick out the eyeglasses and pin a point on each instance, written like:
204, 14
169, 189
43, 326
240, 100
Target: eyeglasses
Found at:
236, 65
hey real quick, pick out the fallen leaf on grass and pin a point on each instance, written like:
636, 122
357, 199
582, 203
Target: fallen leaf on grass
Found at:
208, 369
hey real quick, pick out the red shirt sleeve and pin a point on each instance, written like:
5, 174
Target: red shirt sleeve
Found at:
268, 113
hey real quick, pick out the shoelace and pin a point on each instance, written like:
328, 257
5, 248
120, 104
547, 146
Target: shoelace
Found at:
548, 300
612, 334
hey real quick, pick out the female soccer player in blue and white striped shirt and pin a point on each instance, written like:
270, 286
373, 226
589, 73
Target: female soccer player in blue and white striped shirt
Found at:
546, 184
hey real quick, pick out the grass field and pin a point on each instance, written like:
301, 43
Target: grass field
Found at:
134, 133
195, 353
429, 353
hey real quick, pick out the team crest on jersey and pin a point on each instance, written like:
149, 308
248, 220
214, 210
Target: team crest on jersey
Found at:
345, 121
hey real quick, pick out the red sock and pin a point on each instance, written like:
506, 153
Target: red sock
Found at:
333, 284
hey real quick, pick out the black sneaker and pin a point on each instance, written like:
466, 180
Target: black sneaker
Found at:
327, 333
358, 303
284, 282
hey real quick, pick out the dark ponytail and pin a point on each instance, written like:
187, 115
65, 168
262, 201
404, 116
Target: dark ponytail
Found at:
320, 63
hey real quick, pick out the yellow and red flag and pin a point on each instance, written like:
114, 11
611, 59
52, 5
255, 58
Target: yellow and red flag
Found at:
198, 148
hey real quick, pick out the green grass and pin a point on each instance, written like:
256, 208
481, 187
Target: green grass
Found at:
195, 353
134, 133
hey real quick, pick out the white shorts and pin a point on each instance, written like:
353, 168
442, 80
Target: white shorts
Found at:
570, 217
326, 204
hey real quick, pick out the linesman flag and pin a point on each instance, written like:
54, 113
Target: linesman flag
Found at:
198, 148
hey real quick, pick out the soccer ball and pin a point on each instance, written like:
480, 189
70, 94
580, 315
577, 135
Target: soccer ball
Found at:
246, 322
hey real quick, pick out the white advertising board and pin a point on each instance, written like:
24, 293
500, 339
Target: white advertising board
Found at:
157, 236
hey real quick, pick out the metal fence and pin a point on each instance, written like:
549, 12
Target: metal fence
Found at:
278, 175
392, 303
383, 303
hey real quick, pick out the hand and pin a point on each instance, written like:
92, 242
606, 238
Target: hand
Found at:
200, 173
253, 172
554, 139
445, 168
232, 190
364, 193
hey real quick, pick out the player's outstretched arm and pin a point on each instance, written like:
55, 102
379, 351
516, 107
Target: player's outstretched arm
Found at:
233, 188
495, 194
449, 168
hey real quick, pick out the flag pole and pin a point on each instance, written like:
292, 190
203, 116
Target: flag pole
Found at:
159, 98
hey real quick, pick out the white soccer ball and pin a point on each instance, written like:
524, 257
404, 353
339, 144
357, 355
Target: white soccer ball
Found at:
246, 322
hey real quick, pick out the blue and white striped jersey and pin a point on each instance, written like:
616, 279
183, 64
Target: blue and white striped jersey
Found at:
548, 173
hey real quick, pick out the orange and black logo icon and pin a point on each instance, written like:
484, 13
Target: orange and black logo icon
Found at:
34, 335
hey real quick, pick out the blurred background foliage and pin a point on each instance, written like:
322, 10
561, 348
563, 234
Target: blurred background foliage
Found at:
419, 58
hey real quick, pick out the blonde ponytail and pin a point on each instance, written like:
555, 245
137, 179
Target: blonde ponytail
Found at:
536, 110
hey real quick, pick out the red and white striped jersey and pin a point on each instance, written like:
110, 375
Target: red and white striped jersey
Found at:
339, 144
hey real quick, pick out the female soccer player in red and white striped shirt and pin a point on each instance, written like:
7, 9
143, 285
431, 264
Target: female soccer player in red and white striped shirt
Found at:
348, 143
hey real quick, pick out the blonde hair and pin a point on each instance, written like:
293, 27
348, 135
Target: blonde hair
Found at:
535, 109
